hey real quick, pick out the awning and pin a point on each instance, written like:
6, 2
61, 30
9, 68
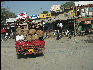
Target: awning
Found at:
3, 30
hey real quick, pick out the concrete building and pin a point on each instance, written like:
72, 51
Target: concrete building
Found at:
56, 8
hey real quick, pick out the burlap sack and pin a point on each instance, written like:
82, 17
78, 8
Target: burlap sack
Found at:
40, 33
16, 33
24, 32
32, 31
19, 32
37, 26
28, 38
35, 37
33, 26
17, 29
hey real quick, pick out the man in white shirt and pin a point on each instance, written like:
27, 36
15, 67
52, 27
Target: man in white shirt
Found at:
61, 26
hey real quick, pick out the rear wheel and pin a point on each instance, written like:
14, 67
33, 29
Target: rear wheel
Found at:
41, 54
21, 56
18, 56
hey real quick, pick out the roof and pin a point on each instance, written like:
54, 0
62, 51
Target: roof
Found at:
79, 3
10, 20
53, 18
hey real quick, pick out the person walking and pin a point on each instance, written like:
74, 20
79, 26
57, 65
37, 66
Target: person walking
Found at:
3, 33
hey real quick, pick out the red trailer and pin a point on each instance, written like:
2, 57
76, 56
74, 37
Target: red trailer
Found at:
33, 47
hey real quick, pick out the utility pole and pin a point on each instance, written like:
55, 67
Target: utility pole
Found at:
74, 27
74, 22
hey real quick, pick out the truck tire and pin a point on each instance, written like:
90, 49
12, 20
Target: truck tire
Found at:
18, 56
41, 54
21, 56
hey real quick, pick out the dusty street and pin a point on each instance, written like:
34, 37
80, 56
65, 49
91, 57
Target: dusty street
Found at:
63, 54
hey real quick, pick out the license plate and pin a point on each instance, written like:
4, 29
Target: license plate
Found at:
31, 50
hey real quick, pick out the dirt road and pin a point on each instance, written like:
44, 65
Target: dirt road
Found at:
63, 54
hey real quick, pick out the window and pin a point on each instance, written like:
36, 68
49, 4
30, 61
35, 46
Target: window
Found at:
43, 15
57, 8
47, 15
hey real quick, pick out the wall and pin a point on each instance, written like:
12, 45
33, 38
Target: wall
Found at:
55, 8
45, 15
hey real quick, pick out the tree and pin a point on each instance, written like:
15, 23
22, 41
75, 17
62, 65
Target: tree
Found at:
69, 4
5, 14
45, 12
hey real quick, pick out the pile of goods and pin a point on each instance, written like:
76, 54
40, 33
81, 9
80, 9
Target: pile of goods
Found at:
29, 36
26, 30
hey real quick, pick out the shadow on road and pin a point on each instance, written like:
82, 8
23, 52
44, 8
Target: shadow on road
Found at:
29, 56
88, 41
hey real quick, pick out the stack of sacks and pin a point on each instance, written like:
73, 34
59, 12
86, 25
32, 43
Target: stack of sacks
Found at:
33, 31
35, 34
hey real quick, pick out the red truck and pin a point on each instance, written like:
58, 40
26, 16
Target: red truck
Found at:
23, 45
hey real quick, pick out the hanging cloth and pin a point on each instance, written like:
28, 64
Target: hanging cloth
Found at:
91, 9
3, 30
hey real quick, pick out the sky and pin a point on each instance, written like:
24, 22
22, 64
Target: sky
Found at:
31, 7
